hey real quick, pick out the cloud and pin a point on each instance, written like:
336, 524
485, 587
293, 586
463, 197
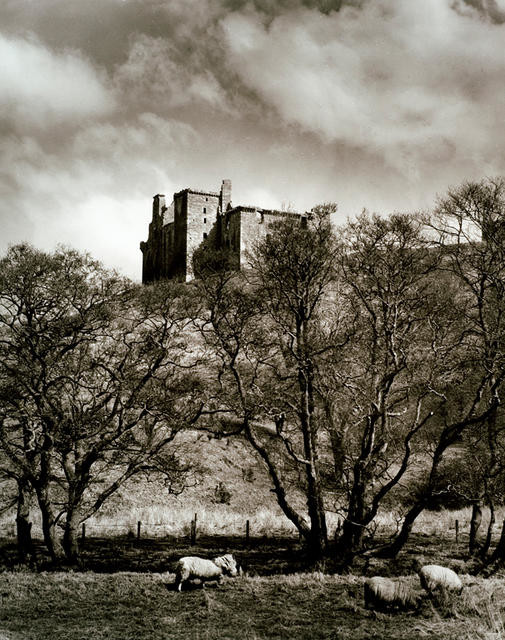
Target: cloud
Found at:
158, 77
493, 10
373, 103
93, 192
136, 154
277, 7
415, 82
40, 87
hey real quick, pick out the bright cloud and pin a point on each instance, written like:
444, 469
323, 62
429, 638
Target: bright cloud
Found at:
416, 82
41, 87
94, 193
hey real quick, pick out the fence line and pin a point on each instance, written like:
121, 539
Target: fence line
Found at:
143, 528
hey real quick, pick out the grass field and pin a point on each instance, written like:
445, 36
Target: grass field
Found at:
142, 606
125, 592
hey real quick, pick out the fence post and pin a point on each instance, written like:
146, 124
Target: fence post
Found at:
457, 529
139, 524
83, 538
193, 531
247, 532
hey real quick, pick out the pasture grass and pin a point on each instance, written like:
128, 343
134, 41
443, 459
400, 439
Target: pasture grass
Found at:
144, 606
124, 589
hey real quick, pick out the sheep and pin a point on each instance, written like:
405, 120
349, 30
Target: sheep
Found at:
435, 577
383, 593
193, 567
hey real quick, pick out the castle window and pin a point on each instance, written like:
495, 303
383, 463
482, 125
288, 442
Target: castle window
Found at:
205, 236
205, 221
205, 209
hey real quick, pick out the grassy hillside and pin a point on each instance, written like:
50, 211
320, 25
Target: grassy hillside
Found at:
231, 487
229, 481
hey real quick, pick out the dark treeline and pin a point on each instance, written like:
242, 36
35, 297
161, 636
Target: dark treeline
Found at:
363, 364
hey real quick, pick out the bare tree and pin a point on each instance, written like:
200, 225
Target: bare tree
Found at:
468, 228
267, 334
354, 364
95, 381
332, 346
377, 394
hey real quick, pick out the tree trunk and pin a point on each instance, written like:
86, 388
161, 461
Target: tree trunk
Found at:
358, 515
475, 523
23, 524
499, 552
49, 528
318, 538
337, 449
356, 521
353, 528
392, 550
71, 537
489, 534
42, 489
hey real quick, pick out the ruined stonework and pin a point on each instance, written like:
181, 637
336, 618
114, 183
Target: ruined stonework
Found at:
193, 217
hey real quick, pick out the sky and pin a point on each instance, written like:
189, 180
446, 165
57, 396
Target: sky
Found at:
376, 104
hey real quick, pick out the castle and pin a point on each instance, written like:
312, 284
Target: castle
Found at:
195, 217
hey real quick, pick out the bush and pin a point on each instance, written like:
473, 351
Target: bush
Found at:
221, 494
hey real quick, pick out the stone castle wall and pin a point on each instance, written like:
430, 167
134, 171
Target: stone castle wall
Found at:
202, 212
177, 231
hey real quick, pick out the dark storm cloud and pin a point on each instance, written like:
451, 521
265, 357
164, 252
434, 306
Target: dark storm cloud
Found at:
490, 9
277, 7
102, 28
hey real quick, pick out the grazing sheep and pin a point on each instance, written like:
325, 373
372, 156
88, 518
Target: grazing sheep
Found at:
435, 577
382, 593
194, 567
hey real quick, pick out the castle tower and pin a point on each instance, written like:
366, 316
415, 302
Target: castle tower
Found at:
225, 195
152, 249
195, 216
158, 209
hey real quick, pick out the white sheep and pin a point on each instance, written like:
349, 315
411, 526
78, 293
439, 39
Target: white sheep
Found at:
194, 567
382, 593
435, 577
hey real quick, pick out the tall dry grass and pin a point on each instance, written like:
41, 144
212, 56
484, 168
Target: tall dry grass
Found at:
158, 520
211, 520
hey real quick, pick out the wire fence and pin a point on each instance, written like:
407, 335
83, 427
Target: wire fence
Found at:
144, 529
